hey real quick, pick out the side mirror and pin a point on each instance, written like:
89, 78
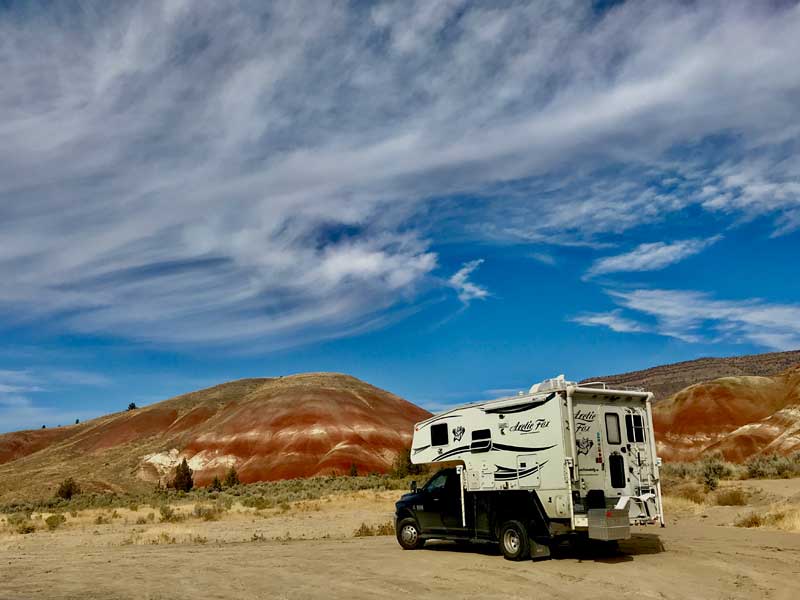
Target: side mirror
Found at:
414, 487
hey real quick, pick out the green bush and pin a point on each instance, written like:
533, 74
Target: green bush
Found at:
712, 469
53, 522
216, 485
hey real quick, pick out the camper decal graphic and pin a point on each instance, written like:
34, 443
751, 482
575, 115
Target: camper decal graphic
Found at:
458, 433
507, 474
495, 448
584, 420
503, 426
584, 445
524, 427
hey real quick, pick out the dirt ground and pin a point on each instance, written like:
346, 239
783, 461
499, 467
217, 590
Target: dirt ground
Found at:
309, 551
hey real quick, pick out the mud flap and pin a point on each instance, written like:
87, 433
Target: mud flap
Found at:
539, 550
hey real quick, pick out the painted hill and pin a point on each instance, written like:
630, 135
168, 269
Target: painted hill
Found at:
295, 426
737, 416
667, 380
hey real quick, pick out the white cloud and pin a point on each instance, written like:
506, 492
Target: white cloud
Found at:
650, 257
613, 320
274, 174
468, 290
694, 317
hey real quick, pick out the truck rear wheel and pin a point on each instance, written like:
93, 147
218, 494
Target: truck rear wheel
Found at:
408, 534
514, 543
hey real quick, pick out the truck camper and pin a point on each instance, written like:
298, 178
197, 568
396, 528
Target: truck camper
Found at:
564, 459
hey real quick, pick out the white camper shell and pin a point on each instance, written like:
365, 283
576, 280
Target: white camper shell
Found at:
587, 451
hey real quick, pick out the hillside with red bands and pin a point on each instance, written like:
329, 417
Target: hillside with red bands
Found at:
738, 417
295, 426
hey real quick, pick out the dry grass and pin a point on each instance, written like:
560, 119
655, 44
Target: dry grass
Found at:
783, 517
731, 497
369, 530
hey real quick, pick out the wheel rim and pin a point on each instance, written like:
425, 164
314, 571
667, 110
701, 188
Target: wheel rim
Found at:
409, 534
511, 541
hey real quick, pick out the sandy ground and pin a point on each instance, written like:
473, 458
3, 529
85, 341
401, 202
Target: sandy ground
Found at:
249, 556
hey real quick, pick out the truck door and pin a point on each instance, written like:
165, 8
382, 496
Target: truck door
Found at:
451, 506
429, 512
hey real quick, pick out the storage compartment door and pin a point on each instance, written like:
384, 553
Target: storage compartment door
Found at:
528, 471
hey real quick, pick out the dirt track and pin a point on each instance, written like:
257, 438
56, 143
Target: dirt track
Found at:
697, 556
680, 562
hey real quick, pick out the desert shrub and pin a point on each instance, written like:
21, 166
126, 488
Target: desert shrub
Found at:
711, 471
102, 520
731, 497
258, 502
67, 489
168, 514
53, 522
773, 467
690, 491
141, 521
151, 517
385, 529
364, 531
25, 527
216, 485
749, 520
207, 513
183, 481
231, 478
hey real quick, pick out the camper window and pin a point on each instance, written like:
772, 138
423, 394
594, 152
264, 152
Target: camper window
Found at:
612, 429
439, 434
481, 440
635, 428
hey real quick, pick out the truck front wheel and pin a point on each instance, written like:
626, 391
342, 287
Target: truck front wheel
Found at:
514, 543
408, 534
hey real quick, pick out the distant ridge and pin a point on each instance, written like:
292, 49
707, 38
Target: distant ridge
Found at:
666, 380
278, 428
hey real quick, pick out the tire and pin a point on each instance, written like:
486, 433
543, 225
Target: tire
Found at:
514, 543
408, 534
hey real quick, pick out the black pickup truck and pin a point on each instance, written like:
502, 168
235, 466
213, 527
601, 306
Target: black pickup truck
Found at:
515, 518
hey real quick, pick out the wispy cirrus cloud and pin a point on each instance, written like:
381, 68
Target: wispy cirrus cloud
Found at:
694, 316
650, 257
466, 289
186, 173
613, 320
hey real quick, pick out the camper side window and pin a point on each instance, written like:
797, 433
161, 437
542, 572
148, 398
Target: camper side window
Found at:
481, 440
634, 426
612, 428
439, 435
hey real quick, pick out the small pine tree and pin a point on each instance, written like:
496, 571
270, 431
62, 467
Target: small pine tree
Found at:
216, 485
77, 421
183, 481
68, 488
231, 478
132, 406
353, 470
403, 467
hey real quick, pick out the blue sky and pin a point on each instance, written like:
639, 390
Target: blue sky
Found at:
449, 200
